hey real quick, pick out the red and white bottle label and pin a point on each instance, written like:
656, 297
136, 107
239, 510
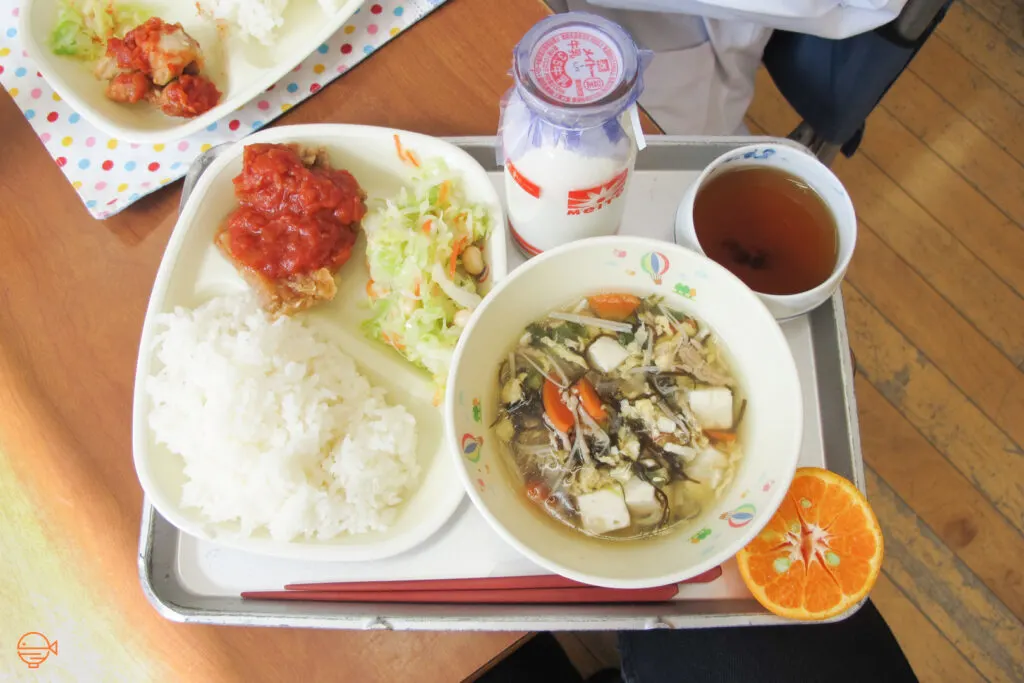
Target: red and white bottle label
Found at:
576, 67
596, 198
529, 187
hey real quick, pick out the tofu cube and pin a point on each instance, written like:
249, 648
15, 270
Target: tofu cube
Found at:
640, 500
606, 354
709, 467
712, 407
603, 510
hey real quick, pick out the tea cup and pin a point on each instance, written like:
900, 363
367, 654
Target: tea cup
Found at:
818, 177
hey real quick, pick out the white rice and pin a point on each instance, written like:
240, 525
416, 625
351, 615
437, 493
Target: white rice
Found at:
259, 19
277, 429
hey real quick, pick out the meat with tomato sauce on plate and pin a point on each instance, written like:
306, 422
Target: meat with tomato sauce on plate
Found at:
158, 62
295, 227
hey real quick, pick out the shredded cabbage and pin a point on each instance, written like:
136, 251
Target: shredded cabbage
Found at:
84, 26
414, 294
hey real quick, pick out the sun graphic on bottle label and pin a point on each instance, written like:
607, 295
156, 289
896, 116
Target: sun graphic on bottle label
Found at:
595, 198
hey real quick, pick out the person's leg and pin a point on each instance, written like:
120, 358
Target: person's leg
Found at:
835, 84
859, 649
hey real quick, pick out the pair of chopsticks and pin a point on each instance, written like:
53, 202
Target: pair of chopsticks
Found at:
495, 590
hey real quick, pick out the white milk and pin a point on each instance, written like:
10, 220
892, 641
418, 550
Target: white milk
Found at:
579, 196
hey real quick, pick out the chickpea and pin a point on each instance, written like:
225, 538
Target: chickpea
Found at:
473, 260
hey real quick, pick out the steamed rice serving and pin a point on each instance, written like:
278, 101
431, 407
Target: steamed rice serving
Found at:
258, 19
276, 427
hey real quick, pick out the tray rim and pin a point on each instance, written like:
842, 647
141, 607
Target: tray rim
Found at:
554, 618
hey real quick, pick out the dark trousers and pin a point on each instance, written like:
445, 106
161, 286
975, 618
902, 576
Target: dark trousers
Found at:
834, 84
860, 649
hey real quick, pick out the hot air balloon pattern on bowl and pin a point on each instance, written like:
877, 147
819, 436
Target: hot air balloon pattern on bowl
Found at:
741, 516
655, 264
471, 446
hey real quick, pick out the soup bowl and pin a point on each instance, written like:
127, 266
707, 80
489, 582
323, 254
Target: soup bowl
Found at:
770, 432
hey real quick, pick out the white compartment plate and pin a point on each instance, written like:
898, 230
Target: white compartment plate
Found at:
193, 270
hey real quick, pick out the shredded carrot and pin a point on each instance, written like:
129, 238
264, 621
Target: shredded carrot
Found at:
369, 289
442, 194
411, 157
399, 346
427, 226
416, 289
457, 248
398, 147
719, 435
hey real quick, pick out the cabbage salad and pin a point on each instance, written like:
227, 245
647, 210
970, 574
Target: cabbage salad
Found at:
425, 255
84, 26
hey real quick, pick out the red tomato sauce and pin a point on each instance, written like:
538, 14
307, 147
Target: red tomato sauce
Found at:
292, 219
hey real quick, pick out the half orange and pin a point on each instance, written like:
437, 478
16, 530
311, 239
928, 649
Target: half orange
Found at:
821, 552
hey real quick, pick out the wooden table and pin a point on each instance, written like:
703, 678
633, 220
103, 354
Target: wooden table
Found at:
73, 292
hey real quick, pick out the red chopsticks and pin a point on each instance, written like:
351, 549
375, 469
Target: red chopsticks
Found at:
591, 594
493, 590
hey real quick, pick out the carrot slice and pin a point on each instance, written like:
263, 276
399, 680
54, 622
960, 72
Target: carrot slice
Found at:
556, 410
590, 400
719, 435
457, 248
613, 306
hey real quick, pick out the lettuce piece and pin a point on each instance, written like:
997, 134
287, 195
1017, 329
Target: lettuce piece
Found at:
83, 27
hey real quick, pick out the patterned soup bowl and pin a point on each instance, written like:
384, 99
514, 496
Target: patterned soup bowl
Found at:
770, 433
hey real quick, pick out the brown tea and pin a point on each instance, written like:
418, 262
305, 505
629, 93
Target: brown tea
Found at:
769, 228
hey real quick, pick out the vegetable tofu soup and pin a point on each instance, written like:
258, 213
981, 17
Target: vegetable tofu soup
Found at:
620, 415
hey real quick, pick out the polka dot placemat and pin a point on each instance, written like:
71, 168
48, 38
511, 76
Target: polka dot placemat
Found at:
109, 174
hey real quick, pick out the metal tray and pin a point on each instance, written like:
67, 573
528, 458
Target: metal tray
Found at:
190, 580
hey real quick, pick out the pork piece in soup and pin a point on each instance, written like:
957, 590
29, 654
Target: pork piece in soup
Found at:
620, 416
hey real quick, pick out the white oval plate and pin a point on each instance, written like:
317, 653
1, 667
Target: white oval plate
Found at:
193, 270
242, 69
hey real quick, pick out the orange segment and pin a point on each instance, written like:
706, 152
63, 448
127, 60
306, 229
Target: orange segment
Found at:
821, 552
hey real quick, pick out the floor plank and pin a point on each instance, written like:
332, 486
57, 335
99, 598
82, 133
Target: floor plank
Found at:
930, 402
973, 153
953, 202
945, 591
985, 46
942, 497
933, 658
1006, 15
971, 92
931, 324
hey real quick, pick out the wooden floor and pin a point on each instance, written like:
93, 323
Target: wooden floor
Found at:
936, 319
